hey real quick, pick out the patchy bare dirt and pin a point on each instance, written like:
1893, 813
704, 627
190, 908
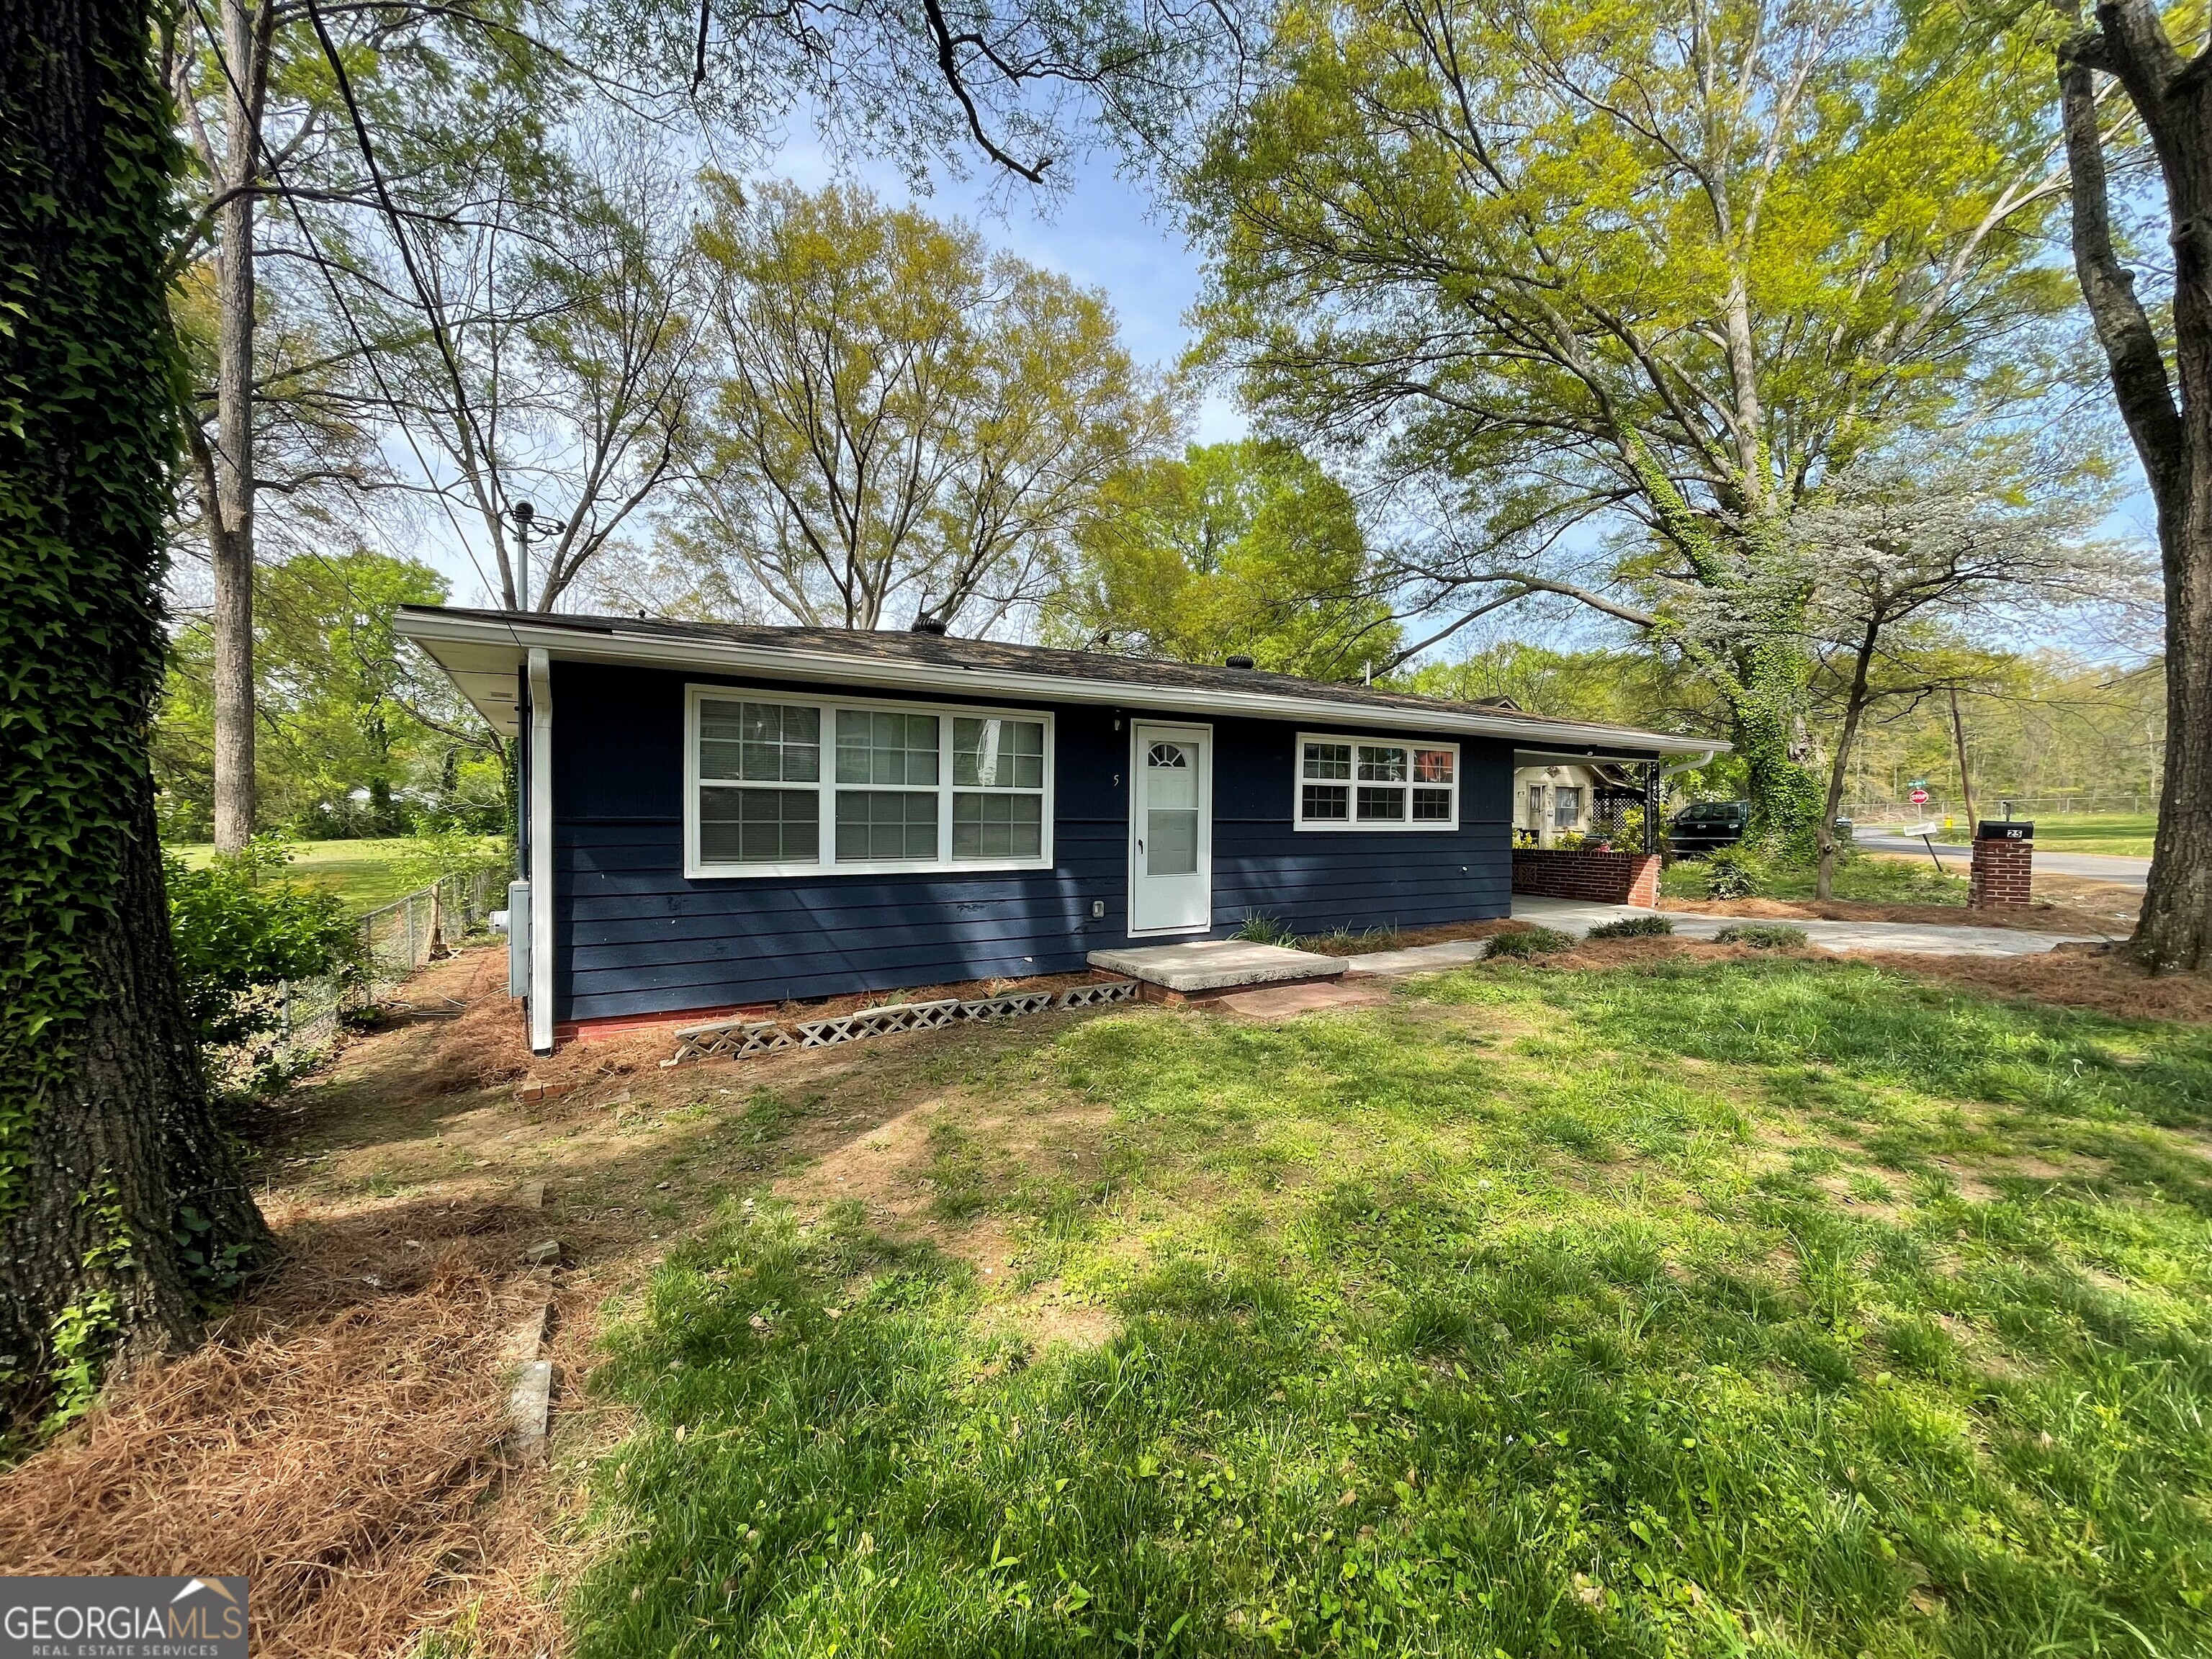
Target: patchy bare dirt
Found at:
2114, 906
339, 1441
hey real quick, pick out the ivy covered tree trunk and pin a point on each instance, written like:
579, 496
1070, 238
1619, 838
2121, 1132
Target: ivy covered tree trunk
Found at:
120, 1204
1768, 702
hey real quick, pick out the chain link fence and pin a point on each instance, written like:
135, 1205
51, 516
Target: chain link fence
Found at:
396, 940
1994, 804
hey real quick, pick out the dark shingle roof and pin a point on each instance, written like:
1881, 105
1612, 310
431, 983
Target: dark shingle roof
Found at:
924, 650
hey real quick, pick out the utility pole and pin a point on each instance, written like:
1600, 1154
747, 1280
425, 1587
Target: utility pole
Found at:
1965, 781
528, 528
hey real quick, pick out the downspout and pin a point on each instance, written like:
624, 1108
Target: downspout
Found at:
541, 853
1654, 797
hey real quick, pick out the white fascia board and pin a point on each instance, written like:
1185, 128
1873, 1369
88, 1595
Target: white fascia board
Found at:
578, 645
540, 852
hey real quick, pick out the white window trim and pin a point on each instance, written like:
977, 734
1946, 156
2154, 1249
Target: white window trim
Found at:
826, 787
1371, 827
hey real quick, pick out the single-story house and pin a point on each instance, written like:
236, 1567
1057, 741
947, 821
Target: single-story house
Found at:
717, 817
1564, 798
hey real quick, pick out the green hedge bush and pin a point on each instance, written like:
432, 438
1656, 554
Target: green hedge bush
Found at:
239, 932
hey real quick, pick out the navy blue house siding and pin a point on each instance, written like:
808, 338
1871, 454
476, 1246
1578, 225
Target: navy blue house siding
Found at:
633, 936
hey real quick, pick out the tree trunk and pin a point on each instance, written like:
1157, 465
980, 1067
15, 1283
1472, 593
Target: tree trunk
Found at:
1855, 704
2175, 929
121, 1206
230, 532
2173, 438
1965, 778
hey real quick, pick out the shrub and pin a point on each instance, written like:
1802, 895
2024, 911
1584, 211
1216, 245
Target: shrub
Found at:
238, 935
1527, 942
1262, 929
433, 855
1343, 942
1733, 876
1632, 928
1765, 936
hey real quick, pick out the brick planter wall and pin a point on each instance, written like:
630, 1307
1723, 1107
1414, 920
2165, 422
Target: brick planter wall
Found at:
1600, 877
2001, 873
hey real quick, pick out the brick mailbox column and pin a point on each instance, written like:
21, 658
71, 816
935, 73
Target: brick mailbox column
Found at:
2005, 864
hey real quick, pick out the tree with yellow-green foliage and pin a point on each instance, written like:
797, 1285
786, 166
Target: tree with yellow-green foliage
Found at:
1243, 549
1624, 284
358, 735
897, 420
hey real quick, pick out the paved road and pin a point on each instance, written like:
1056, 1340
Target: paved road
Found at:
1572, 916
2089, 867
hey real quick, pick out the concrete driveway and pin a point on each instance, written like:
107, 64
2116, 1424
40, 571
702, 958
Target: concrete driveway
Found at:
1573, 916
2089, 867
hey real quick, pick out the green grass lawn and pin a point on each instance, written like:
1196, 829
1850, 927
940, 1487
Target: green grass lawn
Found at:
1864, 879
2127, 834
1706, 1309
364, 873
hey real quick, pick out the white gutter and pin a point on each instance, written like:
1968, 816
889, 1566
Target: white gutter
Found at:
541, 851
579, 645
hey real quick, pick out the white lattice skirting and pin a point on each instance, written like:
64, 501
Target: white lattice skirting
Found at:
734, 1039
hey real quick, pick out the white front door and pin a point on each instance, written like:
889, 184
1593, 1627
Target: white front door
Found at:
1171, 829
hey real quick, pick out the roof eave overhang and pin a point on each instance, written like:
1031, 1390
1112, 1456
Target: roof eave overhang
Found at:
433, 630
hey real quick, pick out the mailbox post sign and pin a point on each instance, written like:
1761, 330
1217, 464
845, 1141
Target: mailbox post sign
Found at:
2003, 872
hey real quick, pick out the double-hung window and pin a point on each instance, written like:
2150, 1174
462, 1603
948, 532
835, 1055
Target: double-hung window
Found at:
781, 785
1377, 783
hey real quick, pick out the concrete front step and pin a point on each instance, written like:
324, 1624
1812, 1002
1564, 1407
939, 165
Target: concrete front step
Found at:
1210, 967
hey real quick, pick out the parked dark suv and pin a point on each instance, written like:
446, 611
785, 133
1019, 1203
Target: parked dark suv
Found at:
1706, 826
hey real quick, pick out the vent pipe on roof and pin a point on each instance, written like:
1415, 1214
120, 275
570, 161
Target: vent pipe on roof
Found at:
926, 623
1239, 662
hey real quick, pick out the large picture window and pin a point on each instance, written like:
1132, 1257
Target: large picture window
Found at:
781, 785
1377, 783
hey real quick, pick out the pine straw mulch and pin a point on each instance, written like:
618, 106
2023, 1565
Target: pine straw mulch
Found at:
2086, 976
346, 1462
338, 1438
2091, 976
1405, 939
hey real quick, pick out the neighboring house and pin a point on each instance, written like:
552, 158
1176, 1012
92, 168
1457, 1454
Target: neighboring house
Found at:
1549, 801
721, 817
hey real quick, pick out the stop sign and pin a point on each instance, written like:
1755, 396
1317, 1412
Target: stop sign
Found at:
1920, 798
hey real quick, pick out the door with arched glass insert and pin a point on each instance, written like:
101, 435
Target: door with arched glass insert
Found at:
1171, 829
